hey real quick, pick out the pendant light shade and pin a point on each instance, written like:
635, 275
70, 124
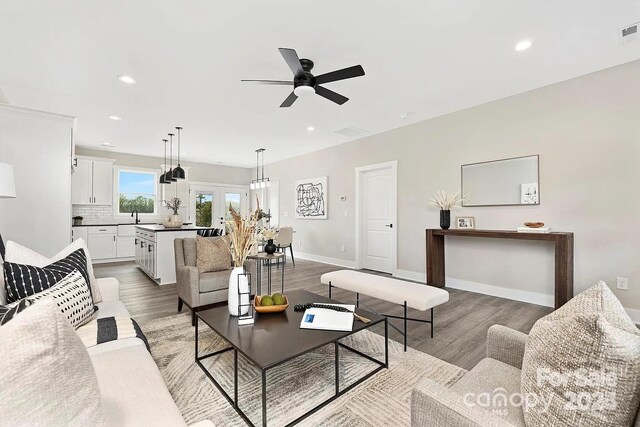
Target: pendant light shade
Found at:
164, 165
178, 172
169, 175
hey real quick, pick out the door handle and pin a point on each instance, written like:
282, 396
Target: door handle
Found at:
149, 247
389, 225
142, 244
136, 242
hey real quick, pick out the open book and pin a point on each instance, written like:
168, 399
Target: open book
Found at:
327, 319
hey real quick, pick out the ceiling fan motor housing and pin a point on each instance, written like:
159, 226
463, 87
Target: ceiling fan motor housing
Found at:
306, 79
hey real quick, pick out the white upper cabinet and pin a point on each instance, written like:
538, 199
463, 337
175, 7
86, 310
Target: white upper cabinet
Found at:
92, 182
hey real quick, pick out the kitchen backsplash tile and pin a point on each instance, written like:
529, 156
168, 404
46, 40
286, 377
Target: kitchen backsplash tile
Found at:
94, 214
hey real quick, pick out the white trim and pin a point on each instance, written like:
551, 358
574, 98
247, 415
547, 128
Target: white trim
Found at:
37, 113
411, 275
634, 314
326, 260
216, 184
394, 211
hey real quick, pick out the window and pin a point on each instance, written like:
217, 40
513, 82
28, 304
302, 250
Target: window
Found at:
204, 214
137, 190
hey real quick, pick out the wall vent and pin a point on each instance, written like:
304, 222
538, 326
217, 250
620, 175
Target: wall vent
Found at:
351, 131
630, 33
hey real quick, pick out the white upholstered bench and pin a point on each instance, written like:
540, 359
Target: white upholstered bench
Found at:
407, 294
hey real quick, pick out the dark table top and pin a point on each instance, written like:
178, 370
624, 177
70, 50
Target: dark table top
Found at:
276, 338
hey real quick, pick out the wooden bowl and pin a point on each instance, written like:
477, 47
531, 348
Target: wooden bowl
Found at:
269, 308
534, 224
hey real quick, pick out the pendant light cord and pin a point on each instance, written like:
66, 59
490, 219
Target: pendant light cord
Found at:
171, 151
179, 129
165, 156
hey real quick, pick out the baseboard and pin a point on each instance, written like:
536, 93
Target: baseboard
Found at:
110, 260
483, 288
326, 260
634, 314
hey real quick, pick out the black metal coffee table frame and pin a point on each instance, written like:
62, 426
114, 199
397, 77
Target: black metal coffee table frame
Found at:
234, 401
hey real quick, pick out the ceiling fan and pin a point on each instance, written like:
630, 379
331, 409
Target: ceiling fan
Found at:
304, 83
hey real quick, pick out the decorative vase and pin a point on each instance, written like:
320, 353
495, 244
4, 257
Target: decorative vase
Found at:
174, 221
238, 282
445, 219
270, 248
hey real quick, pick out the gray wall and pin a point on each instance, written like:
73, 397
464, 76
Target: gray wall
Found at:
587, 133
198, 172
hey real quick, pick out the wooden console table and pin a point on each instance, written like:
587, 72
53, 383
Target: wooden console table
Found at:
563, 258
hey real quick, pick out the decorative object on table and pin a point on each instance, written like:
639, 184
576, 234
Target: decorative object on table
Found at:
538, 230
263, 182
328, 317
243, 238
7, 190
264, 215
163, 175
269, 234
465, 222
175, 220
275, 303
311, 198
306, 84
446, 201
77, 220
342, 308
178, 172
169, 175
534, 224
529, 194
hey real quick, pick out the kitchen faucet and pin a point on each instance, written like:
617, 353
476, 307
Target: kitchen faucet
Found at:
136, 212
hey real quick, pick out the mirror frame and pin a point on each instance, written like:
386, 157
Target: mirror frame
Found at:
537, 156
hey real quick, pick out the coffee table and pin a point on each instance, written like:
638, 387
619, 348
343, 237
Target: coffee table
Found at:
284, 328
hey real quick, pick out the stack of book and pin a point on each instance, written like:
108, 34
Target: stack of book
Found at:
541, 230
328, 320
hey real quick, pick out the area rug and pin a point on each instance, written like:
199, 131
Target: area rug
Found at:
296, 386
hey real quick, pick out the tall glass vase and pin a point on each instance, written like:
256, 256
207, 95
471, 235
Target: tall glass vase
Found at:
445, 219
238, 281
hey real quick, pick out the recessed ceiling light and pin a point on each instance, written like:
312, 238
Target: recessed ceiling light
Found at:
115, 118
311, 128
127, 79
523, 45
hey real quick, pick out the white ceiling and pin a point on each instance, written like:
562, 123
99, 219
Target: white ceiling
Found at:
424, 57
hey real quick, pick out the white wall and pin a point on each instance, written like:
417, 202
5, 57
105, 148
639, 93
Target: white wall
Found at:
587, 133
38, 145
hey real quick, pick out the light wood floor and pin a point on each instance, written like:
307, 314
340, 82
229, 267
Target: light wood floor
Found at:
460, 325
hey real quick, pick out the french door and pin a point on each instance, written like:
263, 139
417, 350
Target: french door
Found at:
209, 204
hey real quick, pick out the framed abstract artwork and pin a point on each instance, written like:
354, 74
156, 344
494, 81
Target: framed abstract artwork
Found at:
311, 198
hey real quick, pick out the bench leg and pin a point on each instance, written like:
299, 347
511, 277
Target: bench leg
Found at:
405, 326
329, 289
357, 299
431, 322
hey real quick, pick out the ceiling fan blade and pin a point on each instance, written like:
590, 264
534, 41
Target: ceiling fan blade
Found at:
289, 101
267, 82
291, 57
331, 95
345, 73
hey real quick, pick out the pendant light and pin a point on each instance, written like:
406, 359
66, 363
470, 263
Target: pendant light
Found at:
263, 182
178, 172
164, 165
169, 175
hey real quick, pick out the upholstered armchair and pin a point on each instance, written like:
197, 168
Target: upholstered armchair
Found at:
196, 290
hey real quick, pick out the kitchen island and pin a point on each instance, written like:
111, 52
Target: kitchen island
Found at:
155, 253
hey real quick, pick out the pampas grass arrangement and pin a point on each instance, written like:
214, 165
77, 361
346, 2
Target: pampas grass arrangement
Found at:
446, 201
242, 235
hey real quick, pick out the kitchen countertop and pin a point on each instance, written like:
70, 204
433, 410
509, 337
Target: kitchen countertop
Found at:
157, 227
114, 224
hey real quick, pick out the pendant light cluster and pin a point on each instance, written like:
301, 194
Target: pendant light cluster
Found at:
263, 182
172, 175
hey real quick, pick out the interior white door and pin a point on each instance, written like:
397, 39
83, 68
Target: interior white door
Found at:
377, 216
210, 204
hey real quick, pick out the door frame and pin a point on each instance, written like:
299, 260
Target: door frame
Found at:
394, 212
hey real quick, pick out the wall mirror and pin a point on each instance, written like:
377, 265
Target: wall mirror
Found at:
507, 182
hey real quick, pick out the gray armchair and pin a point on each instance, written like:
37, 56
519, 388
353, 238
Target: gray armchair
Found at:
200, 291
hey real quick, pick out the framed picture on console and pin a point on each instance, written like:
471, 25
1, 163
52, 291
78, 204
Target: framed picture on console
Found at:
465, 222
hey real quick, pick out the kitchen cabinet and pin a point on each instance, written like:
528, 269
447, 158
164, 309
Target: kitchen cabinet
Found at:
92, 182
79, 233
102, 242
126, 241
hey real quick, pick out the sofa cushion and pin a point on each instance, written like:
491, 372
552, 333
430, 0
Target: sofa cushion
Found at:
212, 254
494, 386
132, 390
46, 374
585, 359
214, 281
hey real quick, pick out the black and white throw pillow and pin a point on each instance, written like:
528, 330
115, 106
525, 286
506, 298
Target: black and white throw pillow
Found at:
22, 281
9, 312
72, 295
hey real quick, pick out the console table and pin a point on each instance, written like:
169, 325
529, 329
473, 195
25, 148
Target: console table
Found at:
563, 257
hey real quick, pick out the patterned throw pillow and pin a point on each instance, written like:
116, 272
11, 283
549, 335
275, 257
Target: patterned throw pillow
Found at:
581, 364
73, 298
212, 254
22, 281
9, 312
